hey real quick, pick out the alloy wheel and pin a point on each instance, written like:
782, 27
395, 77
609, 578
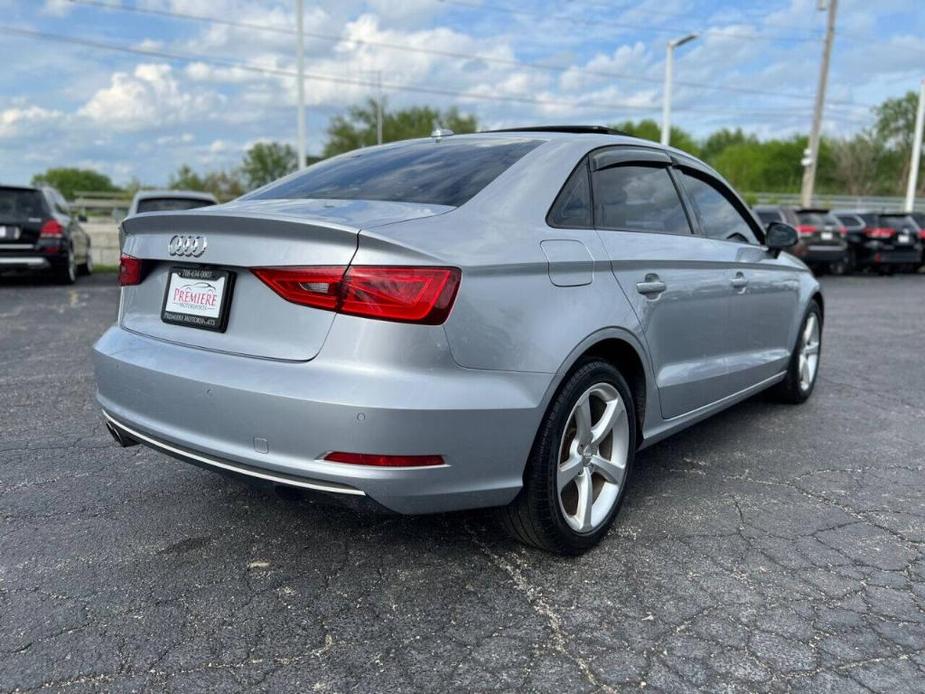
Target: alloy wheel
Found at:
809, 352
592, 458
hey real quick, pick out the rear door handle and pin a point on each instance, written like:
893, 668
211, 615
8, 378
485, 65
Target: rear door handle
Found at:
651, 285
740, 281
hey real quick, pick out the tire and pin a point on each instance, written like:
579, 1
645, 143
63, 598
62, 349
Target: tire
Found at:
794, 388
541, 515
86, 268
66, 273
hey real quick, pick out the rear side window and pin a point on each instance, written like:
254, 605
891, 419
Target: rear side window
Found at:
817, 219
572, 208
638, 198
171, 204
719, 219
851, 221
439, 173
19, 204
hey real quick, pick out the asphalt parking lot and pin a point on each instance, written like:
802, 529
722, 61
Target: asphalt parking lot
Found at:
770, 548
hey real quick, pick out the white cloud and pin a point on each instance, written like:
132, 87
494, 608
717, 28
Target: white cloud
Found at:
17, 120
151, 96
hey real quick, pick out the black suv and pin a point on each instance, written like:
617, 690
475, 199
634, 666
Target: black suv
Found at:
822, 237
39, 232
882, 241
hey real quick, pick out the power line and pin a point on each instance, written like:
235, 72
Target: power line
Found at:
622, 25
453, 54
258, 69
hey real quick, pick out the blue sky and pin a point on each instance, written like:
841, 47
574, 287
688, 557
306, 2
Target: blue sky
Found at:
200, 92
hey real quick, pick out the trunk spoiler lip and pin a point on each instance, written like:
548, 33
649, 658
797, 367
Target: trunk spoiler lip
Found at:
340, 215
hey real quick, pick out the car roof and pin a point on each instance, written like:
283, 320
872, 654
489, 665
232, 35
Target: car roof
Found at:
186, 194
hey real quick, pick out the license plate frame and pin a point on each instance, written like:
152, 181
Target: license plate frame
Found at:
9, 233
215, 321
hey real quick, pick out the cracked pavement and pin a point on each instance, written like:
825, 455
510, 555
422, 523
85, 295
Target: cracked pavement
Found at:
771, 548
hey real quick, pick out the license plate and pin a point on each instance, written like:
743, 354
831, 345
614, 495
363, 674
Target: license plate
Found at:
902, 238
198, 298
9, 233
827, 235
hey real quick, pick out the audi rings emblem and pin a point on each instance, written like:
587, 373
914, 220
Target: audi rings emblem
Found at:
190, 246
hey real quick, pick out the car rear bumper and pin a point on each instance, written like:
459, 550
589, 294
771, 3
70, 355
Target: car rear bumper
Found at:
824, 254
221, 411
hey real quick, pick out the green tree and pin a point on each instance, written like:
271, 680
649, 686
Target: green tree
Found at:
648, 129
895, 127
720, 140
69, 180
224, 185
855, 163
186, 179
358, 127
264, 162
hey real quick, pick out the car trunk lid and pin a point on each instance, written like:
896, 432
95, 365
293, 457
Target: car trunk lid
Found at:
235, 238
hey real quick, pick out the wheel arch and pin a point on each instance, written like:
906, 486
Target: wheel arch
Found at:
626, 353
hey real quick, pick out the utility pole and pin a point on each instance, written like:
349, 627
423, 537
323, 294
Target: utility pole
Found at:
811, 155
379, 107
666, 91
300, 13
916, 151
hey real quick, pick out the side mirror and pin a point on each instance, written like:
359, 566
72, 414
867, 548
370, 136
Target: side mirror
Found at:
780, 236
81, 218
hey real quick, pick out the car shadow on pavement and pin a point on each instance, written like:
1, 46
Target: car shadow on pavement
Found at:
319, 525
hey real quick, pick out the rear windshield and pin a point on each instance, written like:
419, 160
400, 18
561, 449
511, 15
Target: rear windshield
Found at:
170, 204
437, 173
851, 221
817, 219
898, 221
768, 216
16, 203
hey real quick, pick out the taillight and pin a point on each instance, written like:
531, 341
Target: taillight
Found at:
879, 232
376, 460
51, 229
395, 293
130, 270
843, 231
806, 229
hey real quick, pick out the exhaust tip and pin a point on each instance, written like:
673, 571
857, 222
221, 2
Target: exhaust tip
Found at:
124, 440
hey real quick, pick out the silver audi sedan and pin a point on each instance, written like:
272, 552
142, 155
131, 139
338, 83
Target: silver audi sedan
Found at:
499, 319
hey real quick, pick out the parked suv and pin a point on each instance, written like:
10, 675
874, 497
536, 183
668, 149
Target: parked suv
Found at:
882, 241
822, 237
38, 232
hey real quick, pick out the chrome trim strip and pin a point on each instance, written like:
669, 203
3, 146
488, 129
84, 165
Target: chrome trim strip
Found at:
318, 486
24, 260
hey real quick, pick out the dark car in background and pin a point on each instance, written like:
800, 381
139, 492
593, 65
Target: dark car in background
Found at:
822, 236
38, 232
885, 242
169, 201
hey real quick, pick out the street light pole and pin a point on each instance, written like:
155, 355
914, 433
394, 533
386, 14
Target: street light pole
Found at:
916, 151
666, 93
378, 107
811, 158
299, 10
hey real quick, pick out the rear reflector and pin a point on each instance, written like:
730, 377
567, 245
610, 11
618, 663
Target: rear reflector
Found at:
384, 460
395, 293
51, 229
130, 270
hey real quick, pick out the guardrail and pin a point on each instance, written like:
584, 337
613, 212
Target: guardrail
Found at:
872, 203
